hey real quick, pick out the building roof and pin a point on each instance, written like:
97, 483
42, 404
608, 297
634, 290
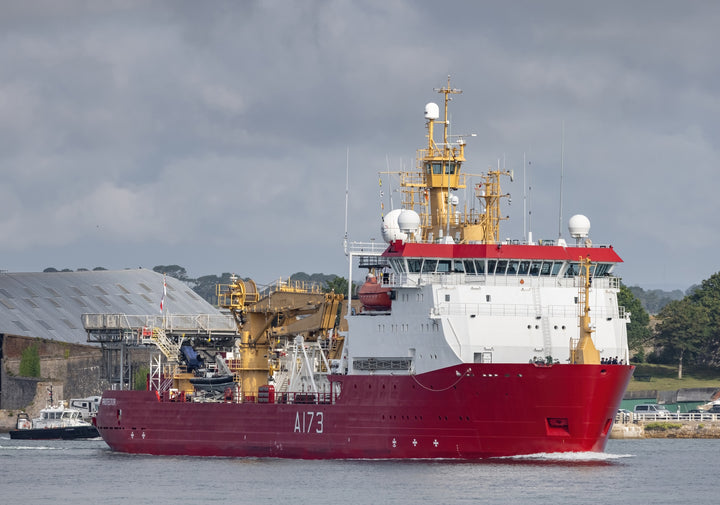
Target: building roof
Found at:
50, 304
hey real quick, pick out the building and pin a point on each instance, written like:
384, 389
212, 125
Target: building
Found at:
41, 314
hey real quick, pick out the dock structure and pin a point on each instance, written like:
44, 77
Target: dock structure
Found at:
117, 333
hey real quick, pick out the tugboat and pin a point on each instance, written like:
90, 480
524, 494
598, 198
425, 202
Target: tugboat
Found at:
55, 422
463, 346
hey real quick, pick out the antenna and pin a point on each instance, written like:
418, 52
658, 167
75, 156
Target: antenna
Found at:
347, 194
562, 171
524, 201
387, 165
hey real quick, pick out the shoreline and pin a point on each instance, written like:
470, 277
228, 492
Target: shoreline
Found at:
665, 429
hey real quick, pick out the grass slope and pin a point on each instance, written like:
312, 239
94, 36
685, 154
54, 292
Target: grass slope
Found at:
664, 378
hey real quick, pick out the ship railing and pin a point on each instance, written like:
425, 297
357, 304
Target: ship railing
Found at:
99, 325
366, 248
516, 310
457, 279
294, 398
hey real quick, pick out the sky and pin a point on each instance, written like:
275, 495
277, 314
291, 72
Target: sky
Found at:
217, 135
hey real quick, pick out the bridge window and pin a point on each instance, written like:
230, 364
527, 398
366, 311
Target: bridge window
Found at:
512, 267
480, 266
573, 269
398, 265
556, 268
546, 268
470, 267
443, 266
535, 268
458, 267
524, 267
491, 266
501, 267
414, 265
429, 266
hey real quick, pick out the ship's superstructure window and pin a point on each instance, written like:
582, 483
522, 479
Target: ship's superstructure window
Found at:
429, 266
513, 267
436, 167
470, 267
398, 265
572, 270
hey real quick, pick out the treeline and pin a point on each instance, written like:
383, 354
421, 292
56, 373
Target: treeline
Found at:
653, 300
206, 286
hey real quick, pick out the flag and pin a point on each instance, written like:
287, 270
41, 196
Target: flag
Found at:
162, 300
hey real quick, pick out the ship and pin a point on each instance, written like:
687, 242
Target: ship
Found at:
459, 346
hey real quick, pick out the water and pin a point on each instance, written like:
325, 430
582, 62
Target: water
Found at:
654, 471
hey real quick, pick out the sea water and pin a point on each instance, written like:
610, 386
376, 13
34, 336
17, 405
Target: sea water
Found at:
656, 471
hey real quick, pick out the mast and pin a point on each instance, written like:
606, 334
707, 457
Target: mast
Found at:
585, 351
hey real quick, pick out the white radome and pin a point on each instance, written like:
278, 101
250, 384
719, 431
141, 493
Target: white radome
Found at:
579, 226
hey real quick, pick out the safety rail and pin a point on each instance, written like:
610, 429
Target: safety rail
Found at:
366, 248
457, 279
632, 417
294, 398
516, 310
128, 327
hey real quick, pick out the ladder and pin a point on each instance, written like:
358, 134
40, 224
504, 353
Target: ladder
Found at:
544, 322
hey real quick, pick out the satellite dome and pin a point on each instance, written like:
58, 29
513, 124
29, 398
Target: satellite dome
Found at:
432, 111
579, 226
409, 222
390, 228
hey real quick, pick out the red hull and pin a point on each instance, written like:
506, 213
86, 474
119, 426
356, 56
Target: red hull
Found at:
468, 411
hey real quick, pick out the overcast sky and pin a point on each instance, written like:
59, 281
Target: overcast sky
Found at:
214, 135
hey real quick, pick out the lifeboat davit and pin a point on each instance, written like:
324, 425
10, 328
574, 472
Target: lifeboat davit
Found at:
373, 296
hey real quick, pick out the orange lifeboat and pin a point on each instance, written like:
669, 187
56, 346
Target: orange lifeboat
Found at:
373, 296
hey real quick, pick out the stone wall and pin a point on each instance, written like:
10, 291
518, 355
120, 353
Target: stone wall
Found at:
78, 368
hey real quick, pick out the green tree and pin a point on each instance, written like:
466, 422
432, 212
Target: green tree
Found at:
339, 285
140, 378
682, 331
707, 294
30, 362
638, 331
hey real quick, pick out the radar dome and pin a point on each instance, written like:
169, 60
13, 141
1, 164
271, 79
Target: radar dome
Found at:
579, 226
409, 222
390, 228
432, 111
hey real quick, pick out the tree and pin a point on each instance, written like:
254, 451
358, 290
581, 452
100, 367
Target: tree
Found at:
682, 331
140, 378
339, 285
638, 331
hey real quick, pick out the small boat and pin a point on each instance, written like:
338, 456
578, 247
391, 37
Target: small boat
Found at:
55, 422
